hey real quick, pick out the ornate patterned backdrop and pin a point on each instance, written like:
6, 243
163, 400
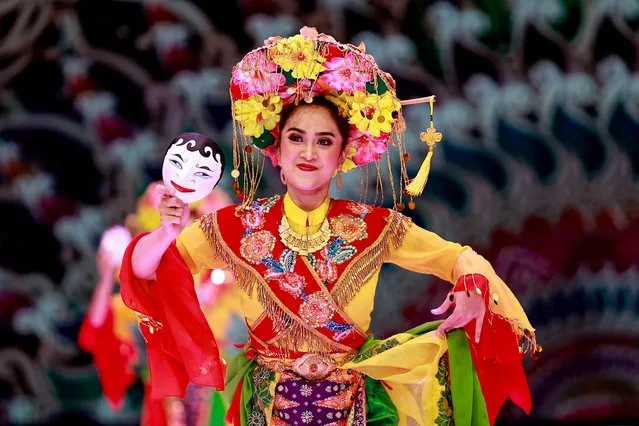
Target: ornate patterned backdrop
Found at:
539, 168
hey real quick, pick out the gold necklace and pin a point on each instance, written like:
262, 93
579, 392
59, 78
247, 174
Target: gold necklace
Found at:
304, 244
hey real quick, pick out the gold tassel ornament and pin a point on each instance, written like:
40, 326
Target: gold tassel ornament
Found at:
431, 137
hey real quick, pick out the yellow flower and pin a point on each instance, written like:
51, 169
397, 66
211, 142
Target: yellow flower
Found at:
298, 55
341, 101
372, 112
349, 164
258, 113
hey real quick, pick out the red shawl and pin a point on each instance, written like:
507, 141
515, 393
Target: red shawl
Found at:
183, 348
113, 358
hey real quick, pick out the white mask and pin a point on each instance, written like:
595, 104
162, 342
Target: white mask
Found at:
191, 174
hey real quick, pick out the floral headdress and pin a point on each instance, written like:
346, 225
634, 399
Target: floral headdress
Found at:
297, 69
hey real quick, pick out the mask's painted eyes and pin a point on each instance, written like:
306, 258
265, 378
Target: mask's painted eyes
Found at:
176, 163
202, 175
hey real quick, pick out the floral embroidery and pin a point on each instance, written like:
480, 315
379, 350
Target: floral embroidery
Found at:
337, 252
360, 209
329, 257
256, 418
261, 375
376, 350
307, 417
326, 270
256, 246
282, 272
348, 228
262, 378
445, 402
306, 390
330, 400
292, 283
317, 310
253, 218
269, 202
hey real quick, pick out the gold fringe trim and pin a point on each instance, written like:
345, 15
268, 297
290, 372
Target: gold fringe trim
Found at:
527, 340
244, 277
292, 334
302, 338
361, 270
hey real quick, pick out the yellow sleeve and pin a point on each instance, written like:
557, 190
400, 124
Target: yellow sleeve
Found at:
508, 306
124, 319
427, 253
196, 250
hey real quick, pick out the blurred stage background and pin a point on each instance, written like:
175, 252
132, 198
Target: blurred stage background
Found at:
539, 168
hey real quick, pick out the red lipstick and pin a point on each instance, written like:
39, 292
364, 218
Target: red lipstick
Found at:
305, 167
181, 188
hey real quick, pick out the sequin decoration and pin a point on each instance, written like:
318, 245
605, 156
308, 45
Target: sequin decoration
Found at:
292, 283
317, 310
256, 246
326, 270
253, 218
349, 228
328, 402
360, 209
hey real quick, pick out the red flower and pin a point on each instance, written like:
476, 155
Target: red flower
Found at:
333, 52
238, 93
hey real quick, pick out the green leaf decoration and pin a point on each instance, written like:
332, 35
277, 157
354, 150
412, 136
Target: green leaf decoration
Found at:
264, 140
381, 87
289, 77
343, 254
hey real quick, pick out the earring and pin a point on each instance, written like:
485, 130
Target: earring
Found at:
282, 178
338, 181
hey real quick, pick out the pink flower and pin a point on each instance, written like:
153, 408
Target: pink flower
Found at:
253, 219
309, 32
327, 271
292, 283
271, 151
258, 74
368, 148
346, 74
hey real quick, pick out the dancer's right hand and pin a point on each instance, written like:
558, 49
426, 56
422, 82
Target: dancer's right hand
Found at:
174, 213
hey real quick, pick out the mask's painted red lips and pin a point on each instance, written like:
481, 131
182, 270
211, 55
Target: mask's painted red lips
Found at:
305, 167
181, 188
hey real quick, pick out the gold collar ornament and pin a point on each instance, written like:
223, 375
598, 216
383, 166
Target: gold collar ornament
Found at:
304, 244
